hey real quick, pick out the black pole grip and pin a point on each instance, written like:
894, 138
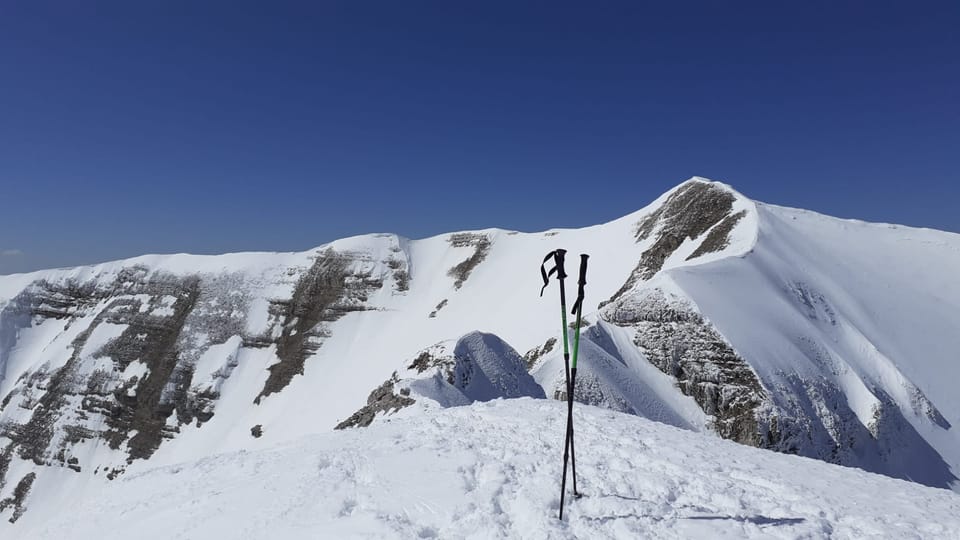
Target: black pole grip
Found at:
557, 255
580, 283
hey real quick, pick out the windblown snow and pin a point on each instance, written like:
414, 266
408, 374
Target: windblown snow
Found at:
776, 328
490, 470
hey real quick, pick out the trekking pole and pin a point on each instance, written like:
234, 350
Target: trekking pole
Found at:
578, 311
558, 257
568, 449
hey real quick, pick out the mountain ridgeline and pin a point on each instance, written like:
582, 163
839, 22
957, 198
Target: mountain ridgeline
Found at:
772, 327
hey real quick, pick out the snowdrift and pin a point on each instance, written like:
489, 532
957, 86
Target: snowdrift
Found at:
491, 470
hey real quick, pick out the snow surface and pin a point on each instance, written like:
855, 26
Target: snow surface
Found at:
614, 374
873, 308
491, 470
881, 303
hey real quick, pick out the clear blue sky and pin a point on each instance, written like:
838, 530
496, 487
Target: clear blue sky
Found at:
140, 127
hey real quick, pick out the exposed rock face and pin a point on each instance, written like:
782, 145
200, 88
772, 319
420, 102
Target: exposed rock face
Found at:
383, 399
817, 421
440, 306
693, 209
719, 236
328, 291
18, 498
401, 274
477, 367
6, 455
434, 358
152, 342
132, 344
679, 342
153, 311
536, 353
481, 246
809, 416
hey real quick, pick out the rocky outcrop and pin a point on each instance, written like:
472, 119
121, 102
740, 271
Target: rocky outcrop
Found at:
805, 415
327, 291
153, 310
718, 238
383, 399
132, 341
477, 367
401, 274
142, 407
441, 305
693, 209
534, 354
434, 358
679, 342
481, 246
18, 499
816, 421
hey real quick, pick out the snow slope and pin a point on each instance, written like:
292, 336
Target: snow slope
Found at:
707, 311
491, 470
868, 311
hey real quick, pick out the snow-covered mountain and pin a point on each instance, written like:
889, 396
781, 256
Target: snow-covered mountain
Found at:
772, 327
490, 470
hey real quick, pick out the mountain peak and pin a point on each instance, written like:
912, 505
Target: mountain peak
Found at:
811, 335
697, 221
713, 185
702, 179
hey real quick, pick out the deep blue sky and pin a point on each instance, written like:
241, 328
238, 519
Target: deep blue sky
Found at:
135, 127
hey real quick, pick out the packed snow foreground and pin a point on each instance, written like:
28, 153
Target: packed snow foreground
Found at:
776, 328
490, 470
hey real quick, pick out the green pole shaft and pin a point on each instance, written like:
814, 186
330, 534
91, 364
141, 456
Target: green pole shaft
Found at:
563, 318
578, 306
576, 343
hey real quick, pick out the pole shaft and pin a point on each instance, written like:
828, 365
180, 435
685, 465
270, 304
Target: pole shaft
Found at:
570, 393
566, 347
566, 365
563, 317
576, 342
573, 454
571, 371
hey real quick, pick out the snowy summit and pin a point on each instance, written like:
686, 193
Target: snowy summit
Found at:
793, 371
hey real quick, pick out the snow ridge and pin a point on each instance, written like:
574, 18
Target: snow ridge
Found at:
773, 327
490, 470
